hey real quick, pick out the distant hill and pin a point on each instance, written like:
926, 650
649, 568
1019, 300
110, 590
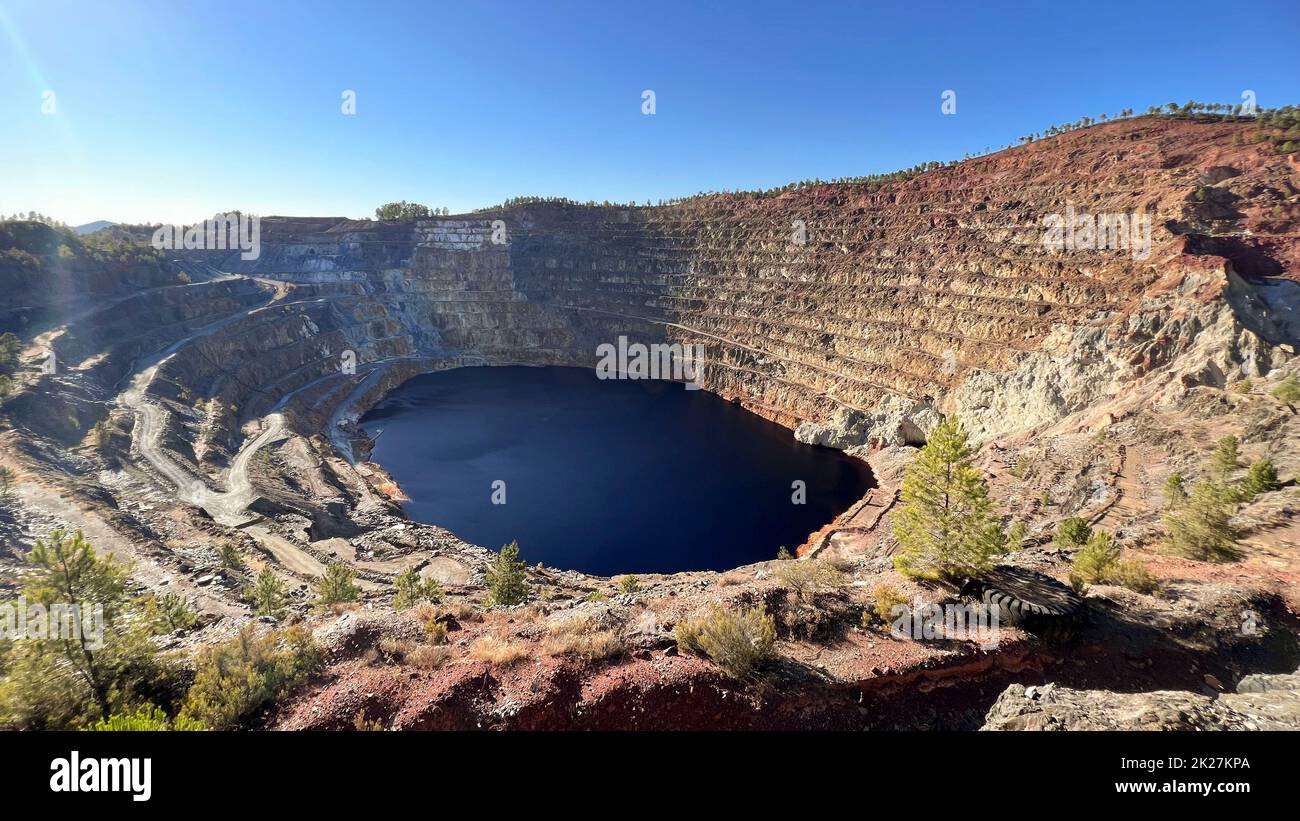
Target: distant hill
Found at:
92, 227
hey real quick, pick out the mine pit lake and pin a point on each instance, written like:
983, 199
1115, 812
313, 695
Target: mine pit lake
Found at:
604, 476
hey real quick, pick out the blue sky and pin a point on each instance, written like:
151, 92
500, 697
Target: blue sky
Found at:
172, 111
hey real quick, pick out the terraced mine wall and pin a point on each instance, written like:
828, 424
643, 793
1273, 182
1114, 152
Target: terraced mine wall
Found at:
852, 313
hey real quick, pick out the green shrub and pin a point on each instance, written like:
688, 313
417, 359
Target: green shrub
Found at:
10, 345
1261, 478
1199, 528
628, 584
1022, 466
1096, 560
1136, 577
103, 433
410, 589
1099, 563
1015, 536
804, 579
1072, 533
737, 642
808, 577
236, 678
146, 719
884, 598
435, 631
1288, 390
169, 613
507, 577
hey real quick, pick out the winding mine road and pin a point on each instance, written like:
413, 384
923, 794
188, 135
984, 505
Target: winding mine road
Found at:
151, 420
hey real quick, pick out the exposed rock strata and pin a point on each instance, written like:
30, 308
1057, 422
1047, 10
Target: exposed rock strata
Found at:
934, 295
1262, 702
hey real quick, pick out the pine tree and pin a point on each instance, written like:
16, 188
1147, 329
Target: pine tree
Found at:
1072, 533
1175, 494
1199, 528
70, 678
1226, 458
103, 434
229, 557
68, 572
1096, 561
336, 585
7, 477
947, 525
507, 577
1261, 478
268, 595
409, 589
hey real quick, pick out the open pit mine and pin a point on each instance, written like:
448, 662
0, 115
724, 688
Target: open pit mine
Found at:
196, 416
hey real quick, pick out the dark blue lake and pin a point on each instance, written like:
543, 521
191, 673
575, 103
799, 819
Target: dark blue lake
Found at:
605, 476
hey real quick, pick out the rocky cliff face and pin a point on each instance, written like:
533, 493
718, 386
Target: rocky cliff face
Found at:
1262, 702
857, 313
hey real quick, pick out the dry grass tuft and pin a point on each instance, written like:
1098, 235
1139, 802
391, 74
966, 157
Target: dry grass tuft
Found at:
429, 657
808, 577
733, 577
580, 636
461, 611
498, 651
396, 649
